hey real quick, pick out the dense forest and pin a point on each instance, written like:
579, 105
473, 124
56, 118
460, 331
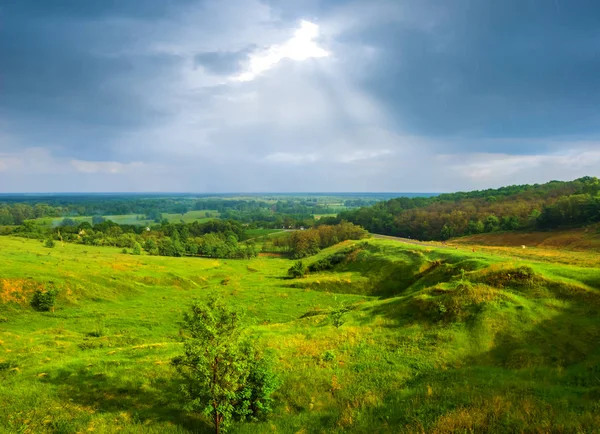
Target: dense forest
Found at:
539, 206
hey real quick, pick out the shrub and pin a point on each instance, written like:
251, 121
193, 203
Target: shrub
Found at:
328, 356
224, 377
137, 249
44, 300
50, 243
329, 262
297, 270
337, 315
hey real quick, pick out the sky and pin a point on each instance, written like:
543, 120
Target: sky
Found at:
297, 95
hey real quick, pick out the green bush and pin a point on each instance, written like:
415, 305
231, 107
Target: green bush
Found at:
224, 376
50, 243
137, 249
43, 300
328, 356
297, 270
329, 262
337, 315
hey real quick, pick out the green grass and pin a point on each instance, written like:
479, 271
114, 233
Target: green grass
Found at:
437, 340
256, 233
132, 219
192, 216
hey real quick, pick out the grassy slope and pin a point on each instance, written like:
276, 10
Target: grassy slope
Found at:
584, 239
580, 246
505, 345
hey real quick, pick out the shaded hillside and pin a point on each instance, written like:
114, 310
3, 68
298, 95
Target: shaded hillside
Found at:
539, 206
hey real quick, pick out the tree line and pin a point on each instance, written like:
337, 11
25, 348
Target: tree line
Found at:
539, 206
215, 239
303, 243
15, 210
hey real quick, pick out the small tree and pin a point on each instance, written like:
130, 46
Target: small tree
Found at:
43, 300
224, 377
50, 243
338, 313
297, 270
137, 249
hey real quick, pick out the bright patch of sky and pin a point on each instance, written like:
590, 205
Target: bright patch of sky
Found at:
302, 46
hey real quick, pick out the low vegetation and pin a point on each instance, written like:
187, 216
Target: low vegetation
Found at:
379, 336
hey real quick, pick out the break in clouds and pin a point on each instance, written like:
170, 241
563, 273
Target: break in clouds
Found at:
243, 95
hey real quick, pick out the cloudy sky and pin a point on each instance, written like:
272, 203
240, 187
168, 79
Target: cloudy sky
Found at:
297, 95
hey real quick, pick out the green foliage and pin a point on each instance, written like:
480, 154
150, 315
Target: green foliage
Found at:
297, 270
329, 262
44, 300
255, 400
50, 243
338, 314
328, 356
224, 377
309, 242
137, 249
150, 246
508, 208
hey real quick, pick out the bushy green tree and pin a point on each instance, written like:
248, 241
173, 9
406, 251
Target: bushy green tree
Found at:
43, 300
297, 270
150, 246
137, 249
224, 376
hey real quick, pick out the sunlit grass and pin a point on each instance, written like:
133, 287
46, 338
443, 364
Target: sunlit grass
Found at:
437, 340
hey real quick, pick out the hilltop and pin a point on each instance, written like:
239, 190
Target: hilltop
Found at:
552, 205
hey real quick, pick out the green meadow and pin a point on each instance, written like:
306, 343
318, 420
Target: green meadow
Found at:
134, 219
436, 340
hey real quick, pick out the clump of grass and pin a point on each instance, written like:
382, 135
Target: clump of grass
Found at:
328, 356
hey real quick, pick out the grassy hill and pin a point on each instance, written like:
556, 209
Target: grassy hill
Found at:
577, 239
437, 340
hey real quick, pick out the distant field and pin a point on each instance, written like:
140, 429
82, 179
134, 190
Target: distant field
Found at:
132, 219
191, 216
436, 340
255, 233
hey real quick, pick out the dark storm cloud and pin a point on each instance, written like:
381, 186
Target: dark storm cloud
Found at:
222, 62
492, 69
57, 82
95, 8
421, 95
